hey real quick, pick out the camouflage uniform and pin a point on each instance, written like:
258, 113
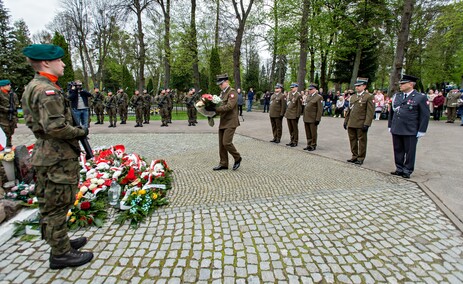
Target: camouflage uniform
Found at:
189, 100
123, 105
170, 107
146, 107
55, 157
163, 104
110, 103
98, 105
137, 102
8, 114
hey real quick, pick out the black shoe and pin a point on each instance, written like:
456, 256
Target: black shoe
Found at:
237, 164
289, 144
273, 140
138, 125
352, 160
312, 148
114, 125
404, 175
147, 122
110, 125
306, 148
124, 122
193, 124
141, 125
72, 258
97, 122
396, 173
219, 167
277, 141
189, 124
358, 162
78, 243
293, 145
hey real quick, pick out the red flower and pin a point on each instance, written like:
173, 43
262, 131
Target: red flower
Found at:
131, 174
108, 182
90, 220
30, 201
85, 205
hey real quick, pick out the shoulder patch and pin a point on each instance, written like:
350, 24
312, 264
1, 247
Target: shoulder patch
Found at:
232, 96
50, 92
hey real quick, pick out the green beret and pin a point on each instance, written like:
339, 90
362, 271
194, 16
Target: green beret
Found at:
4, 83
40, 52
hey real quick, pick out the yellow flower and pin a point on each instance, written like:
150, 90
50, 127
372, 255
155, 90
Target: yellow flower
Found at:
72, 220
154, 196
69, 214
76, 203
141, 192
134, 192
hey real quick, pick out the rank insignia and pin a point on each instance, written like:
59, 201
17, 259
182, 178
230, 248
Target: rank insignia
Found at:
50, 92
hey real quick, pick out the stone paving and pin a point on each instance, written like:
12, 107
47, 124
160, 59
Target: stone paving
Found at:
284, 217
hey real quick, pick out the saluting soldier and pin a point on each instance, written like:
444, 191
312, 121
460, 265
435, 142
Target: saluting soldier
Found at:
8, 111
190, 106
98, 105
110, 103
163, 104
292, 114
47, 112
123, 105
146, 106
408, 121
313, 111
228, 112
137, 102
451, 102
358, 119
276, 113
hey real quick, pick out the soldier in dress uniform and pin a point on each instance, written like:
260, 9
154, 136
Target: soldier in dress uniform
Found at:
451, 102
47, 112
137, 102
292, 114
163, 104
110, 103
408, 121
228, 112
190, 106
8, 111
358, 119
313, 111
122, 105
276, 113
98, 105
146, 107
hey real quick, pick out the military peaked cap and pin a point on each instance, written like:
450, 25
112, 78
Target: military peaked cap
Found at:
313, 86
222, 78
279, 86
4, 83
41, 52
294, 85
408, 78
361, 81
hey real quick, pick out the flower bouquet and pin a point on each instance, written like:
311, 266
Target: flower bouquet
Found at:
25, 193
89, 209
7, 158
207, 105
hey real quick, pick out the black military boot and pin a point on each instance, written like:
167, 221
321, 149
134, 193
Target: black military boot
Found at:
189, 123
78, 243
110, 125
72, 258
137, 125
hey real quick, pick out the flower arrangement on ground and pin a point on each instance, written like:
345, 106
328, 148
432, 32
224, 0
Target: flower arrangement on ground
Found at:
89, 209
23, 192
207, 105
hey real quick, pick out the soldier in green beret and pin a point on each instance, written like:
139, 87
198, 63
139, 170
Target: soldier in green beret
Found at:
147, 99
137, 104
122, 105
47, 113
98, 105
8, 111
110, 103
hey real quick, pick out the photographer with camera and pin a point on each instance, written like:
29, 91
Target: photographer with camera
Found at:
79, 103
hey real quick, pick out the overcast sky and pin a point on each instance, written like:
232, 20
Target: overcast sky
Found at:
36, 13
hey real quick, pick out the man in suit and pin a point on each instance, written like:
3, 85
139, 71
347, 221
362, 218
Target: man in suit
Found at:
312, 115
292, 114
358, 119
228, 112
408, 121
277, 111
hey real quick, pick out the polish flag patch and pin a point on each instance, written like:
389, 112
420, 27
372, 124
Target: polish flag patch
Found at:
50, 92
232, 96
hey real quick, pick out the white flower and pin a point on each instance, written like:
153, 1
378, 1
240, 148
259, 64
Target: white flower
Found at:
158, 168
144, 174
92, 186
117, 174
83, 189
216, 99
100, 181
103, 166
82, 171
105, 176
94, 180
200, 104
35, 200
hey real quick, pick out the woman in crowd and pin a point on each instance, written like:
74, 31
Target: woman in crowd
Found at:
339, 111
438, 106
431, 95
379, 104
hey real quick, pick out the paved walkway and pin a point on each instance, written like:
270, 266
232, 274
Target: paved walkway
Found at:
285, 216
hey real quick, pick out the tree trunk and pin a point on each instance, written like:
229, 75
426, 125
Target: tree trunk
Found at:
167, 48
84, 64
275, 46
194, 45
355, 69
303, 43
216, 35
402, 41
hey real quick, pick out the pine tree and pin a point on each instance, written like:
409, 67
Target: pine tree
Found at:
214, 70
20, 72
150, 86
58, 39
5, 42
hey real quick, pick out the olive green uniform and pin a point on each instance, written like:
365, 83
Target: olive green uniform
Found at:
48, 114
170, 107
360, 114
8, 114
98, 106
110, 103
276, 113
228, 112
123, 105
146, 107
312, 115
163, 104
137, 103
190, 108
451, 102
292, 114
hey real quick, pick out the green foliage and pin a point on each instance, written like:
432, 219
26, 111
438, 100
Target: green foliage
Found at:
251, 78
116, 75
150, 86
59, 40
214, 70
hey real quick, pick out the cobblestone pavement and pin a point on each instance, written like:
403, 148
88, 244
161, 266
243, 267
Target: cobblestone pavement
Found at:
288, 217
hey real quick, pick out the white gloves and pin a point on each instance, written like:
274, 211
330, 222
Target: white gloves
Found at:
420, 134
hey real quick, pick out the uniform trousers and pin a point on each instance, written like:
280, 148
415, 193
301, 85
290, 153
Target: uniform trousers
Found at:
277, 127
139, 114
191, 111
293, 130
404, 152
99, 111
226, 146
358, 143
123, 113
451, 114
56, 188
9, 127
112, 114
146, 113
311, 130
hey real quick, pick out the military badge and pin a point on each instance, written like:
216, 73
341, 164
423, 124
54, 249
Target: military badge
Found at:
50, 92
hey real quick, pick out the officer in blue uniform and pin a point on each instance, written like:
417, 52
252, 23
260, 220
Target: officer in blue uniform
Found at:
408, 121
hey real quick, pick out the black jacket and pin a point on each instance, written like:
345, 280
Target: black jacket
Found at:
74, 97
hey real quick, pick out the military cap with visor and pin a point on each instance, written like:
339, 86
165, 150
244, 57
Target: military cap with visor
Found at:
4, 83
361, 81
43, 52
313, 86
279, 86
222, 78
294, 85
407, 79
